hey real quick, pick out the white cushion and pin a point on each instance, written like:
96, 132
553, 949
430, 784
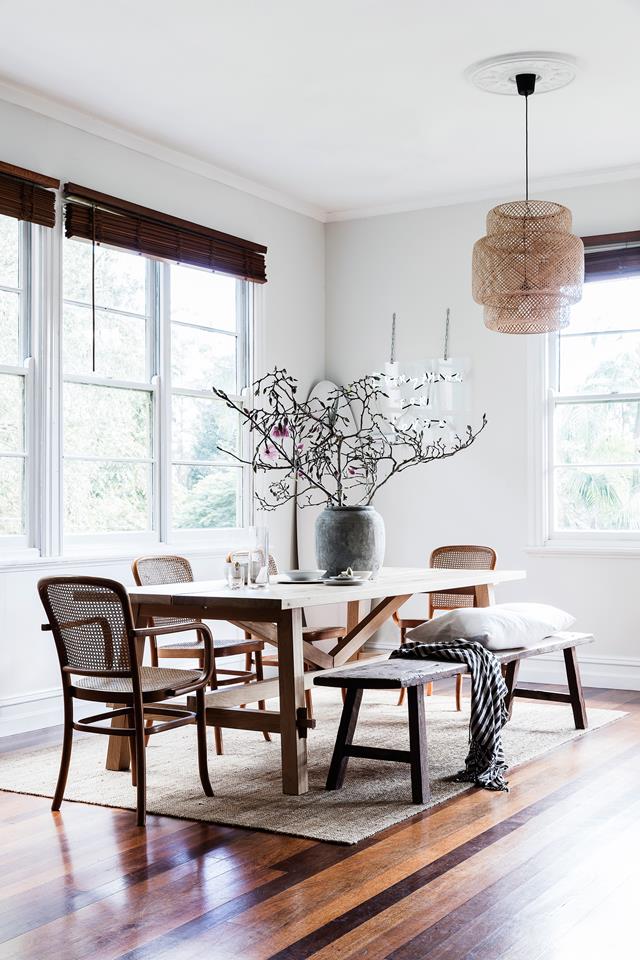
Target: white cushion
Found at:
504, 626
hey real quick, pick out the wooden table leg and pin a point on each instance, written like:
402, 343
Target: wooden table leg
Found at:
118, 752
291, 683
346, 730
575, 688
354, 614
420, 790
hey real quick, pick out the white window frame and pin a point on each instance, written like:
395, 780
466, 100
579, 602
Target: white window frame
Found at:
45, 540
245, 308
27, 237
544, 398
143, 538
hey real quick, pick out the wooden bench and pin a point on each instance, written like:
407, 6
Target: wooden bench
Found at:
412, 675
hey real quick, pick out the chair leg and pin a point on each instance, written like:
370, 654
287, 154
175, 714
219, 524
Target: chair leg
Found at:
132, 754
346, 730
248, 665
403, 633
65, 759
420, 791
147, 723
308, 699
217, 732
153, 647
429, 689
459, 692
140, 764
201, 725
260, 676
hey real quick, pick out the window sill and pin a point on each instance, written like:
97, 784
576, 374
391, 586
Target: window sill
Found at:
97, 555
602, 550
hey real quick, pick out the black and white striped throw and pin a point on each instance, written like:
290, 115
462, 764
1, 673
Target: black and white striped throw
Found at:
484, 765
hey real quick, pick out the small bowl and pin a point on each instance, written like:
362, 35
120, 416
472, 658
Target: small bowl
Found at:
355, 575
303, 576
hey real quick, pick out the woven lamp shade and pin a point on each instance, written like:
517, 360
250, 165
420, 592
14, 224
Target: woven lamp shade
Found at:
529, 269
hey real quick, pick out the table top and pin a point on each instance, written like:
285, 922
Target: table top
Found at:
391, 582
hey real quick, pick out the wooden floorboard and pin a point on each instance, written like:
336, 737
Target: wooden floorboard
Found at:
545, 871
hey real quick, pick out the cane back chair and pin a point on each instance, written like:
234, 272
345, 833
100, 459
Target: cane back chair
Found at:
455, 557
152, 570
99, 651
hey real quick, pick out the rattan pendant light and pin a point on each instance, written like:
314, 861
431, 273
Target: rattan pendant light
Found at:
529, 269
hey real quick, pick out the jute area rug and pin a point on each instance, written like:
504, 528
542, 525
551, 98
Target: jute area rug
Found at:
246, 779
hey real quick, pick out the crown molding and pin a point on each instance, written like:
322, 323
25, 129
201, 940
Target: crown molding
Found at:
56, 110
560, 182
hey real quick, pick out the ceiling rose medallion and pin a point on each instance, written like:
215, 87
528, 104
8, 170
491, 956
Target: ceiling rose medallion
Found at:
528, 271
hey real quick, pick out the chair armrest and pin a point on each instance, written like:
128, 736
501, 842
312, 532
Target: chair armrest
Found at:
409, 624
170, 628
207, 640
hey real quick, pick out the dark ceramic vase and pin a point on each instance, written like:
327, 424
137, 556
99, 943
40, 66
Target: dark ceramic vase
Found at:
349, 537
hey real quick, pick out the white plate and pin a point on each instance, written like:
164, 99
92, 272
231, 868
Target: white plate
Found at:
304, 576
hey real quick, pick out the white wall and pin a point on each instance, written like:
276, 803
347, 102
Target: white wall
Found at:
418, 264
293, 336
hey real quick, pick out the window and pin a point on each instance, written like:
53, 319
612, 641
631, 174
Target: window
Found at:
594, 372
111, 339
14, 376
143, 435
108, 396
208, 346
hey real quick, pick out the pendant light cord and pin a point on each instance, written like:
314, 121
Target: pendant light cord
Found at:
526, 148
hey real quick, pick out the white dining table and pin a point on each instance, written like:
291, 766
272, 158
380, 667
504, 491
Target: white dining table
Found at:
274, 613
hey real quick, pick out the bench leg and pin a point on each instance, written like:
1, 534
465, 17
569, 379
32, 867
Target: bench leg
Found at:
511, 678
420, 791
459, 692
575, 688
346, 730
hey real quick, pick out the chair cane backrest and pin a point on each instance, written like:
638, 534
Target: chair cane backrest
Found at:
149, 571
92, 624
153, 570
459, 557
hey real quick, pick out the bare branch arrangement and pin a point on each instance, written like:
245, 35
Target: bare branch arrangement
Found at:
339, 451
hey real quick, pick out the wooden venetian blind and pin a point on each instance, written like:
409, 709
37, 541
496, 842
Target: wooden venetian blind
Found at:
26, 195
611, 255
119, 223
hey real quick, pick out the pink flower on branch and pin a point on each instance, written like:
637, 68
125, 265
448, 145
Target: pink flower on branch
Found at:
280, 431
269, 452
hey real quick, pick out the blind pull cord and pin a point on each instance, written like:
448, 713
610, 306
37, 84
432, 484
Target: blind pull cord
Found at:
93, 287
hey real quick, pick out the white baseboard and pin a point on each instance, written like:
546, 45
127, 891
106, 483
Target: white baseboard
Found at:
43, 708
619, 673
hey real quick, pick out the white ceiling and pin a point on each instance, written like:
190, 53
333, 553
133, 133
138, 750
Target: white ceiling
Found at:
344, 106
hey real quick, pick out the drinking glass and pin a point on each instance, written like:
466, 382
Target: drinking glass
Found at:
258, 565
